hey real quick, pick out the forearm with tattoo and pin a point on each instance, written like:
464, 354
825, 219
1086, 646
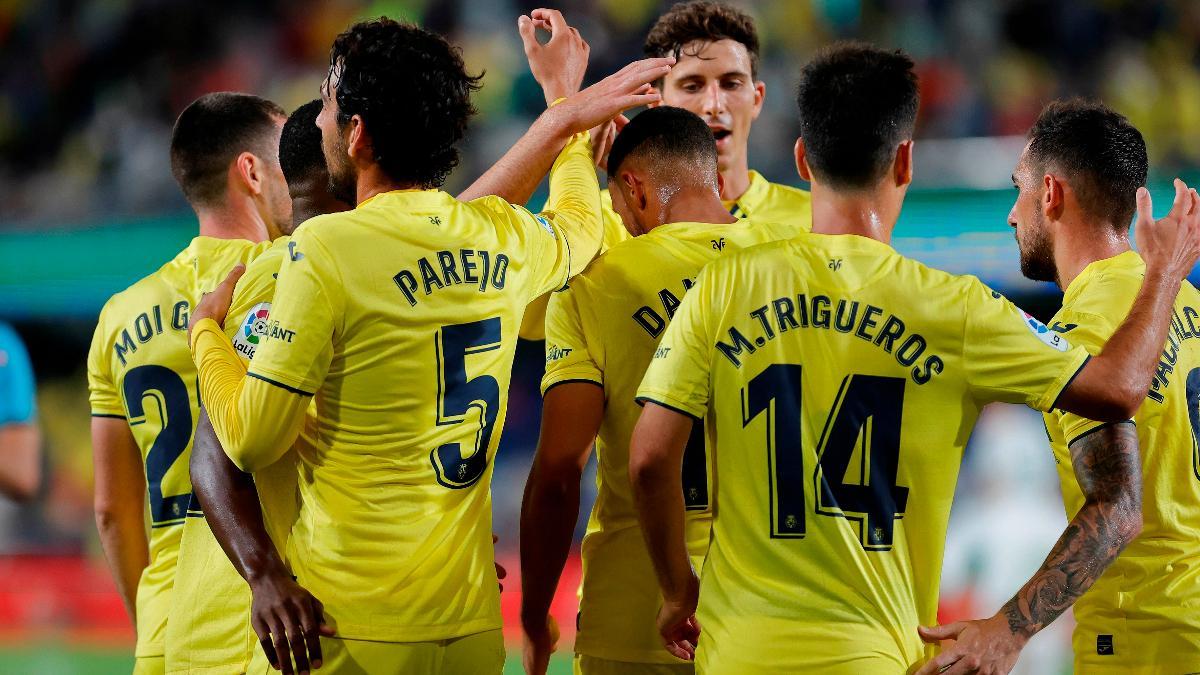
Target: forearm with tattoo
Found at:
1108, 468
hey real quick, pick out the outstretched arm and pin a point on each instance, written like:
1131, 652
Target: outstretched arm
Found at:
1108, 469
571, 416
281, 607
655, 465
1114, 383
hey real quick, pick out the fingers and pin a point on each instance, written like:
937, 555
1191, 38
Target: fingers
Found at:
940, 662
280, 642
680, 651
528, 31
294, 633
1145, 207
558, 25
264, 639
949, 631
236, 273
310, 623
1179, 205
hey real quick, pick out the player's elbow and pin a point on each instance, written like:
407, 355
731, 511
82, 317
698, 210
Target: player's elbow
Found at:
643, 470
1128, 521
111, 514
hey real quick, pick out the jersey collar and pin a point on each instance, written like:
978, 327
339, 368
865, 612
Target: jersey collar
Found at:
407, 195
1127, 261
748, 203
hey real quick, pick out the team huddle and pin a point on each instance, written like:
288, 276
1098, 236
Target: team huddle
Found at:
779, 402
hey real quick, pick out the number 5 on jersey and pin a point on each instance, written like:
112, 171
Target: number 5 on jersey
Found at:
458, 467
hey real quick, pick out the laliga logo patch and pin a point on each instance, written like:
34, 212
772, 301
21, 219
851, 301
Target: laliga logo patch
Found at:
252, 330
546, 225
1049, 337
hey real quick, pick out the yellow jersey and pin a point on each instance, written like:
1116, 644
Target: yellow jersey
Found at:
1143, 614
209, 631
401, 317
762, 201
140, 370
840, 381
604, 329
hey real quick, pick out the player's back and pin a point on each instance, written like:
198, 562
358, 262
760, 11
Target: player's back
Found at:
140, 369
422, 296
604, 328
1144, 611
843, 386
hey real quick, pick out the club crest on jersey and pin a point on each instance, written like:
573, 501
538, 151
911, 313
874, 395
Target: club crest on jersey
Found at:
1049, 337
253, 330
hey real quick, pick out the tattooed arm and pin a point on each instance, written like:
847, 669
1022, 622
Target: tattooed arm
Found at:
1108, 469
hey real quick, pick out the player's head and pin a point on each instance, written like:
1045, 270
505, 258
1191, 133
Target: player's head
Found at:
397, 99
715, 73
1083, 164
858, 108
662, 154
225, 153
303, 165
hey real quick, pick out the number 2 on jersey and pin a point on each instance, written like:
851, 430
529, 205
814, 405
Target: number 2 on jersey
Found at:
167, 389
864, 425
455, 466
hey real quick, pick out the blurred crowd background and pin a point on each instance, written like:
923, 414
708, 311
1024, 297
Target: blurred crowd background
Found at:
89, 91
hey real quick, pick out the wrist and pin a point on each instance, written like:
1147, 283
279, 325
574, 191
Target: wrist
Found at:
265, 571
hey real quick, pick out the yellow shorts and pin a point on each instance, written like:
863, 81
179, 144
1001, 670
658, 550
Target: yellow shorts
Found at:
481, 653
149, 665
592, 665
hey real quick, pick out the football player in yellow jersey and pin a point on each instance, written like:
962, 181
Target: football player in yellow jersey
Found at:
224, 154
601, 332
1076, 182
841, 381
716, 77
400, 317
208, 629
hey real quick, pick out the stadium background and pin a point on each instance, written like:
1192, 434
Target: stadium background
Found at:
89, 90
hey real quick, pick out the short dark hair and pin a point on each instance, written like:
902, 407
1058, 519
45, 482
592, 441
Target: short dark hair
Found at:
666, 134
300, 154
211, 132
703, 21
1101, 153
857, 103
413, 93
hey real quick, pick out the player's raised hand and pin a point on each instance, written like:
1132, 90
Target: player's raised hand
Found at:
540, 643
289, 623
603, 137
627, 88
559, 65
987, 647
215, 305
677, 623
1171, 244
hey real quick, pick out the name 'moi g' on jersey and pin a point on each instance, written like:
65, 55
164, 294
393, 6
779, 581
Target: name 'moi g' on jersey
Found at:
209, 629
401, 317
841, 381
604, 329
140, 370
1143, 614
763, 201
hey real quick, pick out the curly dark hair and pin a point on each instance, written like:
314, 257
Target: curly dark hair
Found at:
857, 103
411, 90
300, 154
1101, 153
211, 132
702, 21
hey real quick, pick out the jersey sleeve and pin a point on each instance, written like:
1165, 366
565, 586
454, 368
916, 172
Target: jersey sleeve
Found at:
17, 395
248, 319
1090, 331
1009, 355
568, 356
561, 240
679, 376
102, 387
305, 316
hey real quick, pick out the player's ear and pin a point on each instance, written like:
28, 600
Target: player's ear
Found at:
720, 184
249, 172
358, 144
903, 166
760, 94
802, 167
1053, 196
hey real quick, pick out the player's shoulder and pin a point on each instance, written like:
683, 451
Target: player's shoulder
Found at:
1105, 288
789, 194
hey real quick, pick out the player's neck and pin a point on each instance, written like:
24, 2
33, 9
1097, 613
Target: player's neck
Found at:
1077, 247
236, 220
736, 180
694, 204
867, 213
373, 181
